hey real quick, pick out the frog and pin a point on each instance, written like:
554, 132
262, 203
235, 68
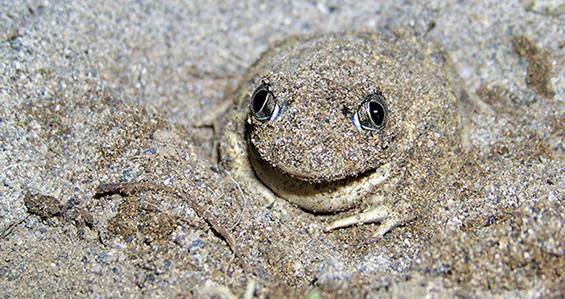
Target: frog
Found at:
363, 125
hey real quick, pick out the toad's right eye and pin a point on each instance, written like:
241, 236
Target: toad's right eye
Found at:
371, 114
263, 104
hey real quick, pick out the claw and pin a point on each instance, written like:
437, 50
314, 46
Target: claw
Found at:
385, 227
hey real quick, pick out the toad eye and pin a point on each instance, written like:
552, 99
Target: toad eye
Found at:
263, 104
371, 114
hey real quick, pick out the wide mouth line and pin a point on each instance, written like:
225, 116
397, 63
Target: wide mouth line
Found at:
314, 181
298, 179
320, 197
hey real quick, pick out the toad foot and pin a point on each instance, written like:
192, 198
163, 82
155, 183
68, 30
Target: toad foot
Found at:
380, 214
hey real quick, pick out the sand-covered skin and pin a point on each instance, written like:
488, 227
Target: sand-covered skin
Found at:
79, 84
313, 155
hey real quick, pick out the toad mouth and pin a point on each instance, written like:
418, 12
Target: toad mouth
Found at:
324, 197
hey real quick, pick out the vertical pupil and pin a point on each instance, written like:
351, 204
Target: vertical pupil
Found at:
376, 112
259, 101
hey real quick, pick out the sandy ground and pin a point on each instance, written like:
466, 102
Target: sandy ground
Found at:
106, 187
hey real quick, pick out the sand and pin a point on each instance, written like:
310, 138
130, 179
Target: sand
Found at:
95, 93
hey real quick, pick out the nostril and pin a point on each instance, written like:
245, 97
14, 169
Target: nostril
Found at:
346, 111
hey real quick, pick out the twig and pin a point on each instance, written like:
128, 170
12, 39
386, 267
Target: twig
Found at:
11, 227
240, 217
127, 189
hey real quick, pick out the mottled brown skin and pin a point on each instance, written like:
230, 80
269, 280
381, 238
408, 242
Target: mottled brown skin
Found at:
313, 155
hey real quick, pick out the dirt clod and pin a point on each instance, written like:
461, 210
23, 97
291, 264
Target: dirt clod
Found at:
44, 206
539, 65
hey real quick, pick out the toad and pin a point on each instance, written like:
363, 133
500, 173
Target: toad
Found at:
337, 122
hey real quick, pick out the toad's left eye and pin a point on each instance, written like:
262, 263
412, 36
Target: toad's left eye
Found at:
263, 104
371, 114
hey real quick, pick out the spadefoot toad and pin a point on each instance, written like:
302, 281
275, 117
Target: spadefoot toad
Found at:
335, 121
